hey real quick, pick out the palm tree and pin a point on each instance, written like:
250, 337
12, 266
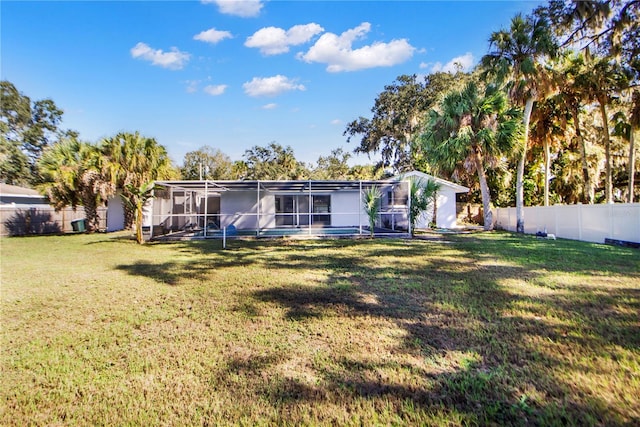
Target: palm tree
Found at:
138, 197
517, 56
371, 198
473, 129
634, 121
573, 92
133, 161
549, 129
605, 80
71, 171
423, 193
625, 125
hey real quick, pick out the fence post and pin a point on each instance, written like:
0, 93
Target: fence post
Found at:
610, 209
579, 221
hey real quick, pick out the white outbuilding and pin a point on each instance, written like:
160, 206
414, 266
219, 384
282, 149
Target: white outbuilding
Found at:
446, 201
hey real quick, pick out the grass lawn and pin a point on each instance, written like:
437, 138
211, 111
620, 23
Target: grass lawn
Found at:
469, 330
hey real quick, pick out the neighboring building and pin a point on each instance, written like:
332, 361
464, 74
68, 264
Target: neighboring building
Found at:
445, 205
25, 211
20, 196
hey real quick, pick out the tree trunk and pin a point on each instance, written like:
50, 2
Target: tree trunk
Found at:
90, 209
528, 107
547, 163
632, 164
91, 215
608, 190
587, 194
434, 219
484, 191
139, 237
129, 212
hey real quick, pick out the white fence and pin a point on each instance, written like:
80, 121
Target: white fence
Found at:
590, 223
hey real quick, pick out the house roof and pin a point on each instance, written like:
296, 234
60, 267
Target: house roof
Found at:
292, 186
443, 182
14, 190
14, 195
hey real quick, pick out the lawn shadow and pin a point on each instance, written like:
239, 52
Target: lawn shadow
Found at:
460, 305
447, 298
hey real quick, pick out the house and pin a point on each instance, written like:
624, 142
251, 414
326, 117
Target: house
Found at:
201, 209
445, 204
273, 208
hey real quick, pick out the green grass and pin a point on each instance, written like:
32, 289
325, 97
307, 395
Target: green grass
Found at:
469, 330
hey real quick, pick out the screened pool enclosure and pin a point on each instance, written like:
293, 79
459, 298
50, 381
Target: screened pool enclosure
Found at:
211, 209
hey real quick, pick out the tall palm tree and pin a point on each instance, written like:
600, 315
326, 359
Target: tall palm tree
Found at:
574, 93
626, 124
133, 161
548, 130
71, 170
605, 80
517, 56
475, 129
634, 121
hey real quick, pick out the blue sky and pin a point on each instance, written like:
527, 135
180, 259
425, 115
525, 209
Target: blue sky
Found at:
233, 75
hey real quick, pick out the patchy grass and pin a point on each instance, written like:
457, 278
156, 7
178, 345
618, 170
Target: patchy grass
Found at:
469, 330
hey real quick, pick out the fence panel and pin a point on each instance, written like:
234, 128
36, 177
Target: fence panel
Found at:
590, 223
567, 222
625, 222
20, 221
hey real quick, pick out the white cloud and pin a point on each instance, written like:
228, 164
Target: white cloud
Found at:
173, 60
273, 40
215, 90
336, 122
192, 86
269, 106
213, 36
424, 65
464, 63
242, 8
337, 51
270, 86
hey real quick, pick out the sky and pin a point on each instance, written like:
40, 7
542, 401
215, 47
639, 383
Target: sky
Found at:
235, 74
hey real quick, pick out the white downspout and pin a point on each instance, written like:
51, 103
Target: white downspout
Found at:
310, 210
409, 208
360, 210
258, 211
206, 208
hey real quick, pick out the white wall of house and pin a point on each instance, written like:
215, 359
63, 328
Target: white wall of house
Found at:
446, 202
446, 208
147, 215
234, 208
115, 213
267, 210
346, 209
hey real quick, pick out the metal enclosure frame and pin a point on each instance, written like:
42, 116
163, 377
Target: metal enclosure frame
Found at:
203, 209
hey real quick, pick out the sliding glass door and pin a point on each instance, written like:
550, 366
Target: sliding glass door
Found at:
293, 210
321, 210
